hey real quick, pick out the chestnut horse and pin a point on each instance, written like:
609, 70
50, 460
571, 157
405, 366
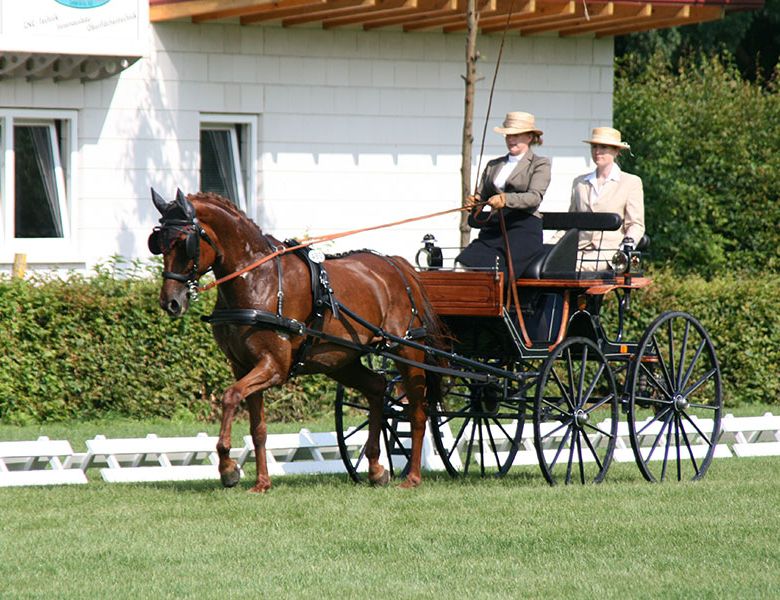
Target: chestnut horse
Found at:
203, 232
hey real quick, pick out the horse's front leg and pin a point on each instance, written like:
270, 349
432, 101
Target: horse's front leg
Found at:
259, 431
263, 376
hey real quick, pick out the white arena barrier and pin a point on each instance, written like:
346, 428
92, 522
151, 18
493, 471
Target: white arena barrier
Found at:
39, 462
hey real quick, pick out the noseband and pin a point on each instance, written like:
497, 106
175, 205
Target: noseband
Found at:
165, 236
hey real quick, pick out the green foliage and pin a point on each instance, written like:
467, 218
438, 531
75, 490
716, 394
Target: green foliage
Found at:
752, 37
704, 142
88, 347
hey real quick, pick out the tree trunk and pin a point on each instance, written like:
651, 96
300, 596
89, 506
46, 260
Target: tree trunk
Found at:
470, 79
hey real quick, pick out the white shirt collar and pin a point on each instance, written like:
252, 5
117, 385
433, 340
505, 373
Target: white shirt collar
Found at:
614, 175
514, 159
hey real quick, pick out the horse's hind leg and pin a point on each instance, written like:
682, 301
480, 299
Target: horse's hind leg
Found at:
259, 432
372, 386
414, 383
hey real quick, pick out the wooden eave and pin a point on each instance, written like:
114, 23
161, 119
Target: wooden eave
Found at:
527, 17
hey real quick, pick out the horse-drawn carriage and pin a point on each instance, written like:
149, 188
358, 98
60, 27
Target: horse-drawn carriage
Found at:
559, 366
535, 348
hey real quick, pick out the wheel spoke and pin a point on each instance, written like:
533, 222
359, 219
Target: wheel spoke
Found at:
670, 331
560, 447
504, 431
683, 349
579, 456
557, 429
654, 419
700, 382
662, 362
601, 431
658, 437
593, 383
355, 430
469, 448
600, 403
593, 450
690, 450
571, 460
691, 366
570, 369
581, 382
556, 408
677, 425
666, 450
481, 449
561, 387
457, 438
493, 446
696, 427
655, 382
654, 401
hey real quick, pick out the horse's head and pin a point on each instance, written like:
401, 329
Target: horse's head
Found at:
187, 250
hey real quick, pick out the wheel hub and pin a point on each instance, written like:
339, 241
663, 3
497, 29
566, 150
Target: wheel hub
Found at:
680, 402
581, 418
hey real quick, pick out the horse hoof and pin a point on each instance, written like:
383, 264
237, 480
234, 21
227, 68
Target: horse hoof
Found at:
259, 489
382, 480
410, 484
230, 478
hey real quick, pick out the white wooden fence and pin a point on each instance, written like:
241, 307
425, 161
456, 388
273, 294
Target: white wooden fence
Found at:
121, 460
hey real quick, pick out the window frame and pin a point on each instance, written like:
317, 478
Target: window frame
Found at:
245, 165
65, 153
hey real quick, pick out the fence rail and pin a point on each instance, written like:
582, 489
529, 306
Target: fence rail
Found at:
122, 460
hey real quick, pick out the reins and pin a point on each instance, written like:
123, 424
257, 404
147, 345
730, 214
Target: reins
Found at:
281, 250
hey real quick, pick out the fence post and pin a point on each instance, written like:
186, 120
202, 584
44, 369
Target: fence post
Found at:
20, 266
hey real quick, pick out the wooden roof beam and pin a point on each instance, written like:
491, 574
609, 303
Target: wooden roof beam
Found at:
357, 7
254, 9
697, 14
425, 9
384, 8
541, 14
457, 21
657, 13
597, 13
623, 15
195, 8
293, 10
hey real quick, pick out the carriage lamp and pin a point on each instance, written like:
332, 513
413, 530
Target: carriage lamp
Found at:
430, 254
619, 262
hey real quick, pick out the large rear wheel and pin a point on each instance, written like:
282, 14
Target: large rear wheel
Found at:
575, 414
675, 399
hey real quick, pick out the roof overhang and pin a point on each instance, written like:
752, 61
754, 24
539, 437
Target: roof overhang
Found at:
526, 17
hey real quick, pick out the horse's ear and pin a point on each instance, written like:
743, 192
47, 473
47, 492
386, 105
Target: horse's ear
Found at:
159, 203
185, 204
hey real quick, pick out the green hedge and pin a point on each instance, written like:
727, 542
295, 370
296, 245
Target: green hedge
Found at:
84, 348
98, 346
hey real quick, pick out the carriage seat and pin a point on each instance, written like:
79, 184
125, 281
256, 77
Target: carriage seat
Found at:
559, 260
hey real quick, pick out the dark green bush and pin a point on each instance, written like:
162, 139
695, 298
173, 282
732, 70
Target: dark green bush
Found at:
89, 347
705, 143
93, 347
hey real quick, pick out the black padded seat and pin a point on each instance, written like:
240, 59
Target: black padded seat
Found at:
556, 261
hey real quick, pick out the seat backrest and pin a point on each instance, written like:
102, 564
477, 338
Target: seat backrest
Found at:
586, 221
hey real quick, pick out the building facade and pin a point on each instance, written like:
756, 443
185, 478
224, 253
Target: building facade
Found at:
309, 129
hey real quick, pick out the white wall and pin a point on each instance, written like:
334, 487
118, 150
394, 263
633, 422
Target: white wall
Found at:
355, 128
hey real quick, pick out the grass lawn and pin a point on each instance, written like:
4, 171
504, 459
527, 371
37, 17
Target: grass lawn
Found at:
323, 537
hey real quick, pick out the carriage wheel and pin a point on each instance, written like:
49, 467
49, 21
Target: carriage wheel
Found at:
352, 430
675, 400
575, 414
477, 426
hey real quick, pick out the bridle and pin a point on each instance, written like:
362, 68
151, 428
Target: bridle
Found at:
165, 236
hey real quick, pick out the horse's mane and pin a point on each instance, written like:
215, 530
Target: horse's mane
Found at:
226, 205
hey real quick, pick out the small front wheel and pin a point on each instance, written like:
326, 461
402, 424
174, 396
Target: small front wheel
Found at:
575, 414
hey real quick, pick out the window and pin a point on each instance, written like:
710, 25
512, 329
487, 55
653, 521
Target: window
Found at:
227, 157
35, 175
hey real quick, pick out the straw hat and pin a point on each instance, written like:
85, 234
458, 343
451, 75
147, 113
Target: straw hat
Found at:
607, 136
518, 122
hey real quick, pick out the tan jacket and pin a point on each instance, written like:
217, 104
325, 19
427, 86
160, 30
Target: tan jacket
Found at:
624, 197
